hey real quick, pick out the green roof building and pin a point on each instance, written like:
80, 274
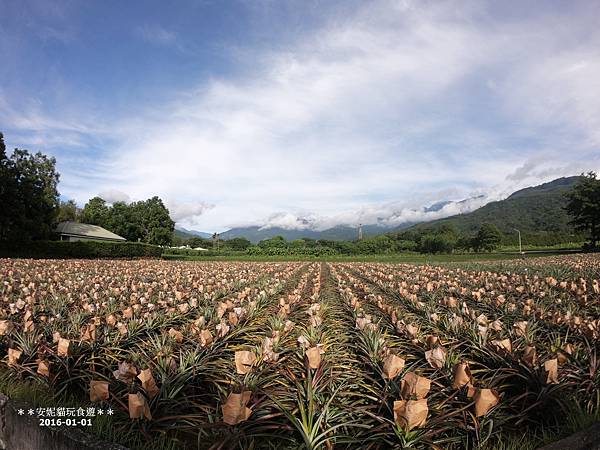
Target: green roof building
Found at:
74, 231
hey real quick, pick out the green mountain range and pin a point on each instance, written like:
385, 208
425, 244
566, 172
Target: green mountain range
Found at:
184, 233
538, 212
339, 233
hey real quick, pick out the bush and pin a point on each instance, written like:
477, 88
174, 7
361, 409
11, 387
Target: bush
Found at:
80, 249
436, 244
487, 238
287, 251
183, 252
237, 243
174, 252
406, 246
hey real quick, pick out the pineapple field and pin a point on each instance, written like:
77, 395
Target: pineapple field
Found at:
308, 354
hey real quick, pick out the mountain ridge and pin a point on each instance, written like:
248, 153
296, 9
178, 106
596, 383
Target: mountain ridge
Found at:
184, 233
537, 208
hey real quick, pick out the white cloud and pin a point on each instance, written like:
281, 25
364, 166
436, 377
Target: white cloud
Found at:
295, 134
186, 212
33, 118
114, 196
558, 88
183, 213
155, 34
547, 165
366, 120
289, 221
386, 215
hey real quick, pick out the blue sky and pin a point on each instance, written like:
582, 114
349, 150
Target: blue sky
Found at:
302, 113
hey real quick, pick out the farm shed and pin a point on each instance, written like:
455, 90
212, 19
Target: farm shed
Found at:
74, 231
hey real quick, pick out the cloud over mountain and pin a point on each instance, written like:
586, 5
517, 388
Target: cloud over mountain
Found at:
364, 112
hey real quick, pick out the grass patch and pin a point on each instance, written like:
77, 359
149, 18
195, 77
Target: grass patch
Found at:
526, 248
395, 258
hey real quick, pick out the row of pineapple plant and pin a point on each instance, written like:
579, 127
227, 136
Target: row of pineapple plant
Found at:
534, 387
431, 387
566, 302
287, 355
172, 348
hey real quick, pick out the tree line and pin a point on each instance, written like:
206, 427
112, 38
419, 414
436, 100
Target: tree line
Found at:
444, 239
143, 221
30, 210
31, 206
28, 195
583, 206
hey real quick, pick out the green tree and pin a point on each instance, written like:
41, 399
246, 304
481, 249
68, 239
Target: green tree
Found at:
488, 238
583, 205
28, 194
122, 219
436, 243
274, 242
196, 242
375, 245
405, 246
309, 242
178, 241
146, 221
464, 243
154, 221
448, 230
342, 247
8, 192
238, 243
68, 211
95, 212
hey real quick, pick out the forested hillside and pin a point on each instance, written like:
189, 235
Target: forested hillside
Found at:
538, 212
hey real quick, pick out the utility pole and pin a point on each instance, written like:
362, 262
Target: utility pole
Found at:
520, 247
360, 233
